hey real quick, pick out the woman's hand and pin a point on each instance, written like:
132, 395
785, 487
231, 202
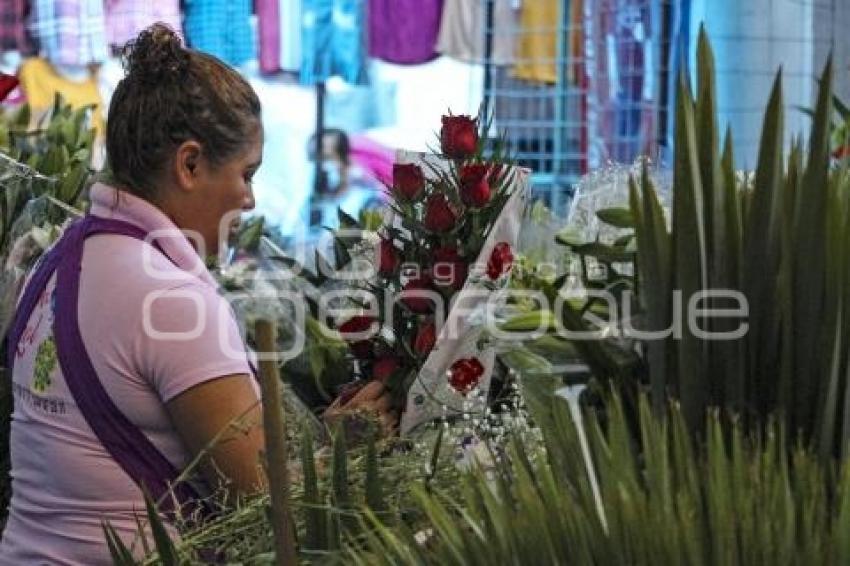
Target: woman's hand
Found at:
373, 399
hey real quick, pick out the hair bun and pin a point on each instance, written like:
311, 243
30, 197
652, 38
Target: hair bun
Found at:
157, 54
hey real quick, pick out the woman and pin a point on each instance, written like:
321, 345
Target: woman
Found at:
126, 362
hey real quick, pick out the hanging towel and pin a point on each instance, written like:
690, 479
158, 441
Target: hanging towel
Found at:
404, 31
126, 18
221, 28
463, 28
537, 42
333, 41
268, 25
14, 35
70, 32
290, 35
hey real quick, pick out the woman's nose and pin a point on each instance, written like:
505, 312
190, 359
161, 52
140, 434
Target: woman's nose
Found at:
249, 202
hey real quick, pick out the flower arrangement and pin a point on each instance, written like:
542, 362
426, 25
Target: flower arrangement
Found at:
434, 244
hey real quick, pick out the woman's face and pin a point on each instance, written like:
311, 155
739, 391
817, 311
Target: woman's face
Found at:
222, 192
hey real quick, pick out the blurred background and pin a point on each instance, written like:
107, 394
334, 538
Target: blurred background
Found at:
572, 84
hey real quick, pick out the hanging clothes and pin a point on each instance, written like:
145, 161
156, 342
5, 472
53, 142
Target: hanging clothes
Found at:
404, 31
537, 44
221, 28
40, 82
333, 41
126, 18
634, 79
70, 32
290, 35
463, 27
268, 26
576, 44
526, 113
14, 35
623, 80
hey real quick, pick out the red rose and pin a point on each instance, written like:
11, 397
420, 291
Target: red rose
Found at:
501, 261
449, 268
388, 259
353, 330
408, 180
474, 186
439, 216
413, 296
8, 83
465, 374
459, 137
384, 368
425, 339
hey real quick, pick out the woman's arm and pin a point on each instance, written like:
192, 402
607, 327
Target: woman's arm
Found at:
224, 418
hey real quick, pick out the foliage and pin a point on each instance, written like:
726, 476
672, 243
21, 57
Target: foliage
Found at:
736, 499
778, 236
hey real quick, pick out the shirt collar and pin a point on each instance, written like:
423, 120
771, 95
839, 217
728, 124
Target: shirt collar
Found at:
109, 202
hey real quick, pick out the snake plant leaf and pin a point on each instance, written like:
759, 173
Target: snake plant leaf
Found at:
809, 259
761, 252
689, 254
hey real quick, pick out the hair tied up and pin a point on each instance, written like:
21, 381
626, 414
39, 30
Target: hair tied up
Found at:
156, 55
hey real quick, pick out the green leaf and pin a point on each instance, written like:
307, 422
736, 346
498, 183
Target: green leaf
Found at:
842, 108
23, 117
374, 488
617, 217
570, 237
689, 254
315, 517
809, 256
346, 221
121, 555
165, 548
604, 252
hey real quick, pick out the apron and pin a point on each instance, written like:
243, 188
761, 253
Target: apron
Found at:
125, 443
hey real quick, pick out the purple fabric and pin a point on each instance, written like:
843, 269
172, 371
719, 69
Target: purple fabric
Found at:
373, 157
130, 448
404, 31
268, 21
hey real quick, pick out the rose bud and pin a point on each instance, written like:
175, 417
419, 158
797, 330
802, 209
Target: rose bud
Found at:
425, 339
388, 259
474, 186
465, 374
408, 180
384, 368
354, 331
414, 295
439, 216
501, 260
459, 137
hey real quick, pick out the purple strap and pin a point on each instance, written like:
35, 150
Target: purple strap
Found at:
133, 451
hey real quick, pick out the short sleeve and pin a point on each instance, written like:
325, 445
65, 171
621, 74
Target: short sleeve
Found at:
189, 336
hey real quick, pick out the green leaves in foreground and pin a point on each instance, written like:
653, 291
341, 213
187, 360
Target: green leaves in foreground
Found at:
736, 499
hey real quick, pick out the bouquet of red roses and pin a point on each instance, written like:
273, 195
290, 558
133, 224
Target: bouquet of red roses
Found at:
444, 207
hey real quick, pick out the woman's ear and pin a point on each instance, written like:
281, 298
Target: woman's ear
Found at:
187, 160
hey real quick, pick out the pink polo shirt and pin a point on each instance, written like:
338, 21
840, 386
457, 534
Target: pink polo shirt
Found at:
152, 329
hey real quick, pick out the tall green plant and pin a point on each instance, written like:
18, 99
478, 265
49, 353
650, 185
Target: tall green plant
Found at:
778, 236
779, 239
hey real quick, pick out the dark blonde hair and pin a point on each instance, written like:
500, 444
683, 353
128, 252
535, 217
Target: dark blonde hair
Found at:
169, 95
